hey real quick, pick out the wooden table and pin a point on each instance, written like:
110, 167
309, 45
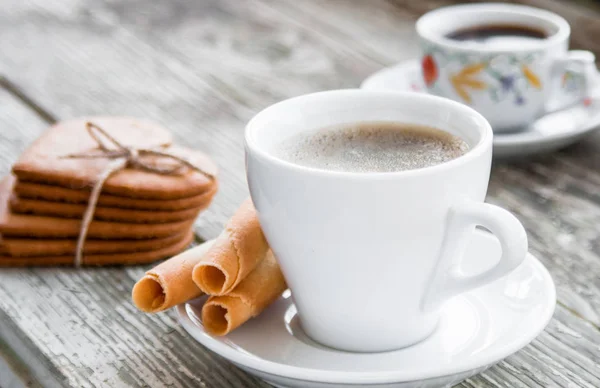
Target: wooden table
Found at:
203, 68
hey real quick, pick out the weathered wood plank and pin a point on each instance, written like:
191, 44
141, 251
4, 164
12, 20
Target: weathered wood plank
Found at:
93, 66
338, 21
571, 176
544, 244
569, 355
377, 30
14, 372
211, 64
19, 125
563, 233
79, 328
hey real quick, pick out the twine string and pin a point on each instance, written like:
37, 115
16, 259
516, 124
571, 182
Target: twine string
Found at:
122, 157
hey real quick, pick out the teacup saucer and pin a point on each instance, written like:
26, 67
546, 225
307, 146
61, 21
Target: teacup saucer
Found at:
476, 330
549, 133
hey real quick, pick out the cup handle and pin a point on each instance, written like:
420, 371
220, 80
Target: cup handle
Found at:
578, 61
448, 280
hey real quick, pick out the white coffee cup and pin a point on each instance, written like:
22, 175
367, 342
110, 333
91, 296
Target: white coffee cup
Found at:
371, 257
513, 84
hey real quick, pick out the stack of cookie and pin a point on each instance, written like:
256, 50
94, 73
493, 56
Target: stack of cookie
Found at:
143, 195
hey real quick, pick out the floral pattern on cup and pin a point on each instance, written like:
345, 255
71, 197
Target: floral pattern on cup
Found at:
466, 79
430, 69
572, 82
501, 76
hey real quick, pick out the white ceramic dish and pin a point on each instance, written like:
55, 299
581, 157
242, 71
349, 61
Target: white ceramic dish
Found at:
477, 329
548, 133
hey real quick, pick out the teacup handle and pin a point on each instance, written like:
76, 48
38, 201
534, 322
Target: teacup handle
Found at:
578, 61
448, 280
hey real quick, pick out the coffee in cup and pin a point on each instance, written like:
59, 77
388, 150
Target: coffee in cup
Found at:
505, 36
371, 147
504, 60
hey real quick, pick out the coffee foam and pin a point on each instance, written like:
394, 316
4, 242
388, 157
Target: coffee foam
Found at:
372, 147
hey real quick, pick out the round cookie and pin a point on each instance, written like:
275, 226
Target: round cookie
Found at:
27, 247
74, 210
47, 160
107, 259
45, 192
25, 225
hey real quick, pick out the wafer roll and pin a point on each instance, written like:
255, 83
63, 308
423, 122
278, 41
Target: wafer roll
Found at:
236, 252
222, 314
169, 283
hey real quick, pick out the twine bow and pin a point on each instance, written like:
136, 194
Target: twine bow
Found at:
122, 157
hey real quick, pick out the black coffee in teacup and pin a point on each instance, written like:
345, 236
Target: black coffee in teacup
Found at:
499, 35
372, 147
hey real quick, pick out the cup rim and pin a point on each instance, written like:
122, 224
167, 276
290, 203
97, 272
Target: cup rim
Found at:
563, 33
483, 144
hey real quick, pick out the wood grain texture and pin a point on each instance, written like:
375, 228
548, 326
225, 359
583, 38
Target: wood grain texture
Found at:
203, 68
79, 328
337, 21
13, 370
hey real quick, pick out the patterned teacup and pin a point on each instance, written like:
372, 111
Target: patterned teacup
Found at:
510, 82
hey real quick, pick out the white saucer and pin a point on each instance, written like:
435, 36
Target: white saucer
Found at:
476, 330
549, 133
